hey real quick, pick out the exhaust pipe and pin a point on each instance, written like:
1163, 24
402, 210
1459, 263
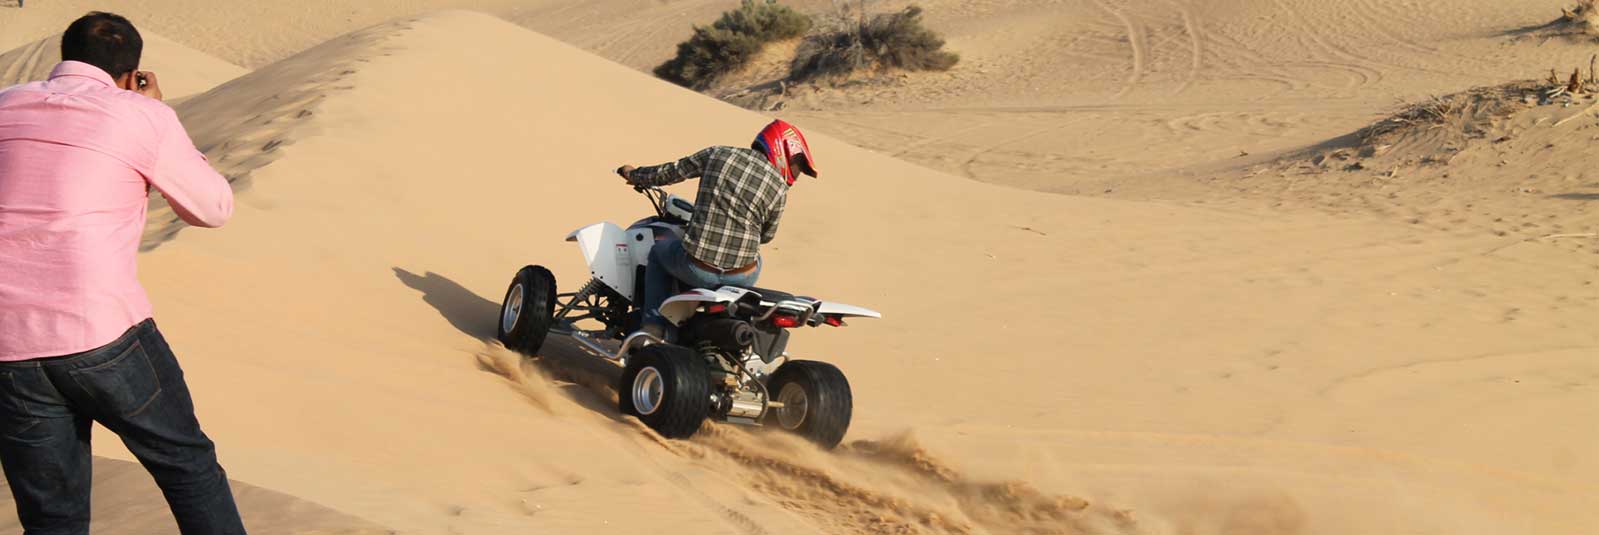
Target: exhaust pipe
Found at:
730, 335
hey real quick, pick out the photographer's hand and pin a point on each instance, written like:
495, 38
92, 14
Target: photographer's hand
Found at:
145, 83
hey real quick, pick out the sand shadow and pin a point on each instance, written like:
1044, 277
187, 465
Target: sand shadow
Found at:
1349, 141
1577, 196
465, 310
1535, 30
1560, 27
560, 358
590, 381
126, 500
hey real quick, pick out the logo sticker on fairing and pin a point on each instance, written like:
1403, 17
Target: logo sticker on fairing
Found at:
621, 254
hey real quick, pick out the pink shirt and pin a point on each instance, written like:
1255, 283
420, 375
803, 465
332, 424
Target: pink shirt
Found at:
77, 158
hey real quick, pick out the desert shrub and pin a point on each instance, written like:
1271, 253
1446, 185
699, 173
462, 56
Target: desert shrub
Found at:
1577, 22
1584, 16
1465, 113
731, 42
884, 41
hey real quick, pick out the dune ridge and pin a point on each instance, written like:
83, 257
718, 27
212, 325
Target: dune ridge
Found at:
245, 123
183, 70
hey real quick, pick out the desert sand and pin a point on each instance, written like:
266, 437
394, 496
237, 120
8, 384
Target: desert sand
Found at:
1203, 336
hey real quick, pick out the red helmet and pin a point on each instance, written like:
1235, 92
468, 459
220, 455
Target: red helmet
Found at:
785, 147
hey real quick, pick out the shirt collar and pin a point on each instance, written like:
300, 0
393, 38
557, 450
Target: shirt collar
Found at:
81, 69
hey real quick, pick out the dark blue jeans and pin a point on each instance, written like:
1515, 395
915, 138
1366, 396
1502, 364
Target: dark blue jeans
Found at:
668, 262
134, 388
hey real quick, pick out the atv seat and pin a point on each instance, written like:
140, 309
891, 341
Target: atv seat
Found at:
771, 295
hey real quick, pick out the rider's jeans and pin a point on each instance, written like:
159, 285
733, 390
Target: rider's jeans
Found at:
668, 261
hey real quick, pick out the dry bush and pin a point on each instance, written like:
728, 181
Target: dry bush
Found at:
731, 42
1582, 18
1434, 112
1468, 111
881, 42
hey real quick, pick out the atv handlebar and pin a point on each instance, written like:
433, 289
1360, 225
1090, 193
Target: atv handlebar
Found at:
657, 197
655, 194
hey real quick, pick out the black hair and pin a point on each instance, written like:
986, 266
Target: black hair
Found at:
105, 40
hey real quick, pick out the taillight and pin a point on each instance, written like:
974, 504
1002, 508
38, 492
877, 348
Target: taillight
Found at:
834, 321
717, 308
786, 322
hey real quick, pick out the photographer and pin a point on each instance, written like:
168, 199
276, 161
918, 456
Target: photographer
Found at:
78, 155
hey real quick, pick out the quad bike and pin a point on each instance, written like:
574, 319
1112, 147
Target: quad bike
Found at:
728, 361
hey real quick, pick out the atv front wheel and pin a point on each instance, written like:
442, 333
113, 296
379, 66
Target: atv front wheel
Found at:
816, 399
528, 310
667, 387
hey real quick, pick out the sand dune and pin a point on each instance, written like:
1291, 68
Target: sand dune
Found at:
1154, 88
452, 195
253, 34
183, 71
1047, 364
1200, 82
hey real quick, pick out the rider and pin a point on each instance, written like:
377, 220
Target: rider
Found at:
741, 196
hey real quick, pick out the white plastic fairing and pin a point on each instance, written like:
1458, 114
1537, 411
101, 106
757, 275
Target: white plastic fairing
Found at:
605, 246
640, 240
681, 307
680, 207
841, 309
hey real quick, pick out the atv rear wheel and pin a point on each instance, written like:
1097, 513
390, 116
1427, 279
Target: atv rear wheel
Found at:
528, 310
668, 388
816, 399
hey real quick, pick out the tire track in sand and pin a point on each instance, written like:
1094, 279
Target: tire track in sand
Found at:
893, 486
1309, 29
730, 515
966, 166
1235, 60
1377, 14
1372, 15
883, 487
564, 359
654, 29
1196, 51
1135, 39
947, 138
1334, 55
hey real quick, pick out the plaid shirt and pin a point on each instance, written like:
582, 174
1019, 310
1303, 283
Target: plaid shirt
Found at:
740, 199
